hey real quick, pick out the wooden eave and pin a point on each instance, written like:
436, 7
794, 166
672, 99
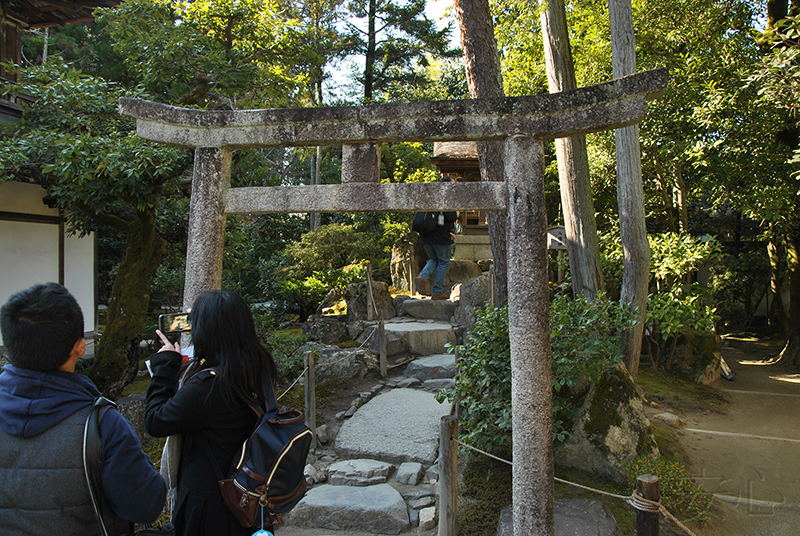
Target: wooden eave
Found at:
45, 13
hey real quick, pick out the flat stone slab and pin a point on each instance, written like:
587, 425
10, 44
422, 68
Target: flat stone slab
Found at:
424, 338
432, 367
573, 517
378, 509
398, 426
434, 309
359, 472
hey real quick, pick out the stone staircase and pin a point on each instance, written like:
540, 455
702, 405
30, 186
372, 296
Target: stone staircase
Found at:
381, 475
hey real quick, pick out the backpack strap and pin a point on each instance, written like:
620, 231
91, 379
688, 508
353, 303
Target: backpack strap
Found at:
93, 459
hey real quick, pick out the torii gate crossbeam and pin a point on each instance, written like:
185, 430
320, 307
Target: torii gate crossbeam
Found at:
523, 122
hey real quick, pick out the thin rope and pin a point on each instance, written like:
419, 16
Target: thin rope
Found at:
635, 500
293, 384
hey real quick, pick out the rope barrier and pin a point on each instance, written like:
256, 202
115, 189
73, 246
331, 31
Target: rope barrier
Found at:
635, 500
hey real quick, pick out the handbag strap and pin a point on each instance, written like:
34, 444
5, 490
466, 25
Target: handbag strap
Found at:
93, 457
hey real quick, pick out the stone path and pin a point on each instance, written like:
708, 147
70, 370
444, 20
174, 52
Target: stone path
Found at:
382, 476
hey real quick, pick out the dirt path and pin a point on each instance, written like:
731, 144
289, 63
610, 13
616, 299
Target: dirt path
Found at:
749, 456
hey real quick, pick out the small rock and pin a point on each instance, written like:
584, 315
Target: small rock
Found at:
311, 474
432, 474
413, 517
410, 473
341, 415
427, 518
359, 472
669, 418
409, 382
322, 434
422, 502
350, 412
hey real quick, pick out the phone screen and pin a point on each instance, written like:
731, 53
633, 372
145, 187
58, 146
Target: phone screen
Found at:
174, 322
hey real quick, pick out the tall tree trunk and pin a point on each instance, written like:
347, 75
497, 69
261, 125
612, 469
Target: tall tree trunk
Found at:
776, 282
573, 162
369, 57
630, 192
117, 355
791, 352
485, 81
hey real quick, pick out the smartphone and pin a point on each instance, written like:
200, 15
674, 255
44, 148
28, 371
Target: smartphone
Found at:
174, 323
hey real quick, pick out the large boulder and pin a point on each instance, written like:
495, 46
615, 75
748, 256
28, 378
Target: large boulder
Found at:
356, 298
610, 429
699, 354
474, 294
345, 363
327, 329
402, 253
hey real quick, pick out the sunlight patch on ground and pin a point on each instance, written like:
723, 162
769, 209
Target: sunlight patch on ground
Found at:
788, 378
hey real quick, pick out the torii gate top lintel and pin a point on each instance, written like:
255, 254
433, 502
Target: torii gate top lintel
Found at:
613, 104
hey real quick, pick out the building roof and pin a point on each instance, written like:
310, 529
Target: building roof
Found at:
43, 13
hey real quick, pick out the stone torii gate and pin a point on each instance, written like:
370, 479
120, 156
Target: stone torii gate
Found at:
522, 122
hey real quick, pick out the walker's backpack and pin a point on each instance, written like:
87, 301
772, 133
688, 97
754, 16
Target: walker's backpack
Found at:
425, 222
268, 472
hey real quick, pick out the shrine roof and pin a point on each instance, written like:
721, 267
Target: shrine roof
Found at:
44, 13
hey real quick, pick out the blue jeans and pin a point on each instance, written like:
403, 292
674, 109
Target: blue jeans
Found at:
438, 260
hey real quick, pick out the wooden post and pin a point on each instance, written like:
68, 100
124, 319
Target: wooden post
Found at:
311, 398
382, 343
490, 286
448, 474
647, 522
413, 272
370, 301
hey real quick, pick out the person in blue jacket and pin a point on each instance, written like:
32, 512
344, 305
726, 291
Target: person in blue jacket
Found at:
43, 409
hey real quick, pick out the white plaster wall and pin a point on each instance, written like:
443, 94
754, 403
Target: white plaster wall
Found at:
29, 251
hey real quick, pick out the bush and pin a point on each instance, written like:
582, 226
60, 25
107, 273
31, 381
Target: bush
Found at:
584, 344
679, 494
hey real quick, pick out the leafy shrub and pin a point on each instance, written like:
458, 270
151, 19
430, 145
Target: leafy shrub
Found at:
679, 494
327, 247
584, 344
738, 283
284, 348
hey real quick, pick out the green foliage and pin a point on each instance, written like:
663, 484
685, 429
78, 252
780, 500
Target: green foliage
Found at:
209, 51
487, 486
327, 247
583, 343
737, 284
284, 345
679, 494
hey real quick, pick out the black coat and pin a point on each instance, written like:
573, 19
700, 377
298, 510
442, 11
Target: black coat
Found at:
442, 233
198, 409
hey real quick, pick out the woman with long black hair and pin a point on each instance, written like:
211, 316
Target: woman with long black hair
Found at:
230, 369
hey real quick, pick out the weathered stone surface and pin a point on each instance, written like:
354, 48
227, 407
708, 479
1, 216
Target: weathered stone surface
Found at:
132, 408
335, 362
699, 354
395, 343
423, 338
375, 509
361, 162
669, 418
610, 428
403, 425
326, 329
361, 472
438, 384
356, 298
601, 107
402, 252
485, 264
410, 473
432, 367
356, 327
434, 309
427, 518
573, 517
461, 270
322, 434
473, 295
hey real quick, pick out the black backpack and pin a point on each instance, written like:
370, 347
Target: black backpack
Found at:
425, 222
269, 470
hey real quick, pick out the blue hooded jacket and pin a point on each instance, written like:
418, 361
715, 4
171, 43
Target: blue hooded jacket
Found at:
32, 402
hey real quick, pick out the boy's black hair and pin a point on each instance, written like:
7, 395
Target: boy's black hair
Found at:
40, 326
